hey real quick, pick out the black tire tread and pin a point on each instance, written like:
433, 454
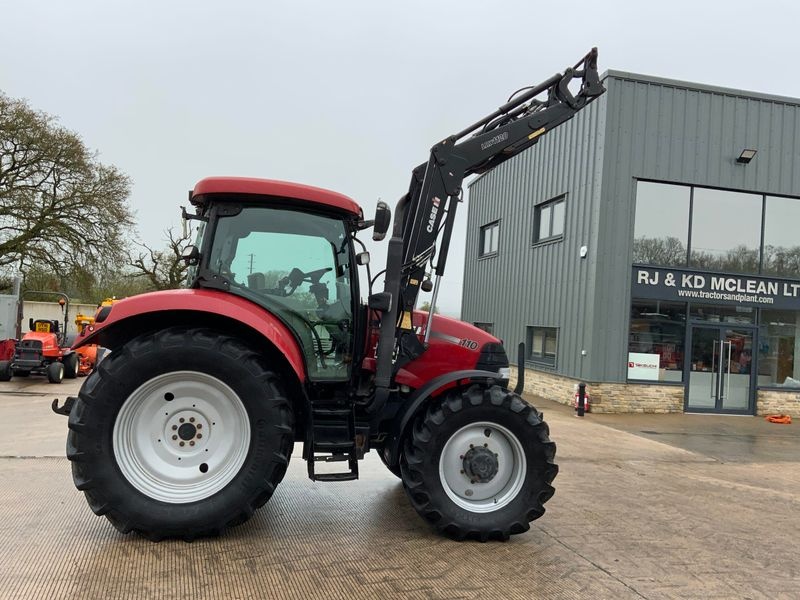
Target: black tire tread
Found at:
418, 446
81, 443
51, 372
394, 470
71, 365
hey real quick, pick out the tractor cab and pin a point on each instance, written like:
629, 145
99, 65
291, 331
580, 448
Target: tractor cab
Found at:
287, 248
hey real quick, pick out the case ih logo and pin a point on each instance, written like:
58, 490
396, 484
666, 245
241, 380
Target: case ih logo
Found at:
434, 212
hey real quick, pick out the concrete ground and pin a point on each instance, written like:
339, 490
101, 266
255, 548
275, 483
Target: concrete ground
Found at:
646, 507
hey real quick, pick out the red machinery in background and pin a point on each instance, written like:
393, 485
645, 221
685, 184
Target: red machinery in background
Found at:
7, 348
43, 350
90, 354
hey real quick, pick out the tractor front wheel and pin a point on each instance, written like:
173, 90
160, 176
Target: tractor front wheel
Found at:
71, 364
181, 433
55, 372
479, 464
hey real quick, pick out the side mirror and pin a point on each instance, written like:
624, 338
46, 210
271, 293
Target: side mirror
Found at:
30, 324
362, 258
383, 216
190, 255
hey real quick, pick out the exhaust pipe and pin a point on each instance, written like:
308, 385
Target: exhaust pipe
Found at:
520, 369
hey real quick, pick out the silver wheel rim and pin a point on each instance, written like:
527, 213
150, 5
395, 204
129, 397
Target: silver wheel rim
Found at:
181, 437
503, 487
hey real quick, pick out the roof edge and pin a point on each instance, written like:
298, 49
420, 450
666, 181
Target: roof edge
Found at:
273, 187
703, 87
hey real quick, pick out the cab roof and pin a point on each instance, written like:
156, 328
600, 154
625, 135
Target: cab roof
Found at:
270, 187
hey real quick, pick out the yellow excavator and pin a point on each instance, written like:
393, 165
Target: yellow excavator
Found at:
89, 355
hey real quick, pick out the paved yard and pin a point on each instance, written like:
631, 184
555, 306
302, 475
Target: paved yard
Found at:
646, 507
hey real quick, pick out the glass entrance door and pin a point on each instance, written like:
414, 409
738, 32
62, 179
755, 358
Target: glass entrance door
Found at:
720, 372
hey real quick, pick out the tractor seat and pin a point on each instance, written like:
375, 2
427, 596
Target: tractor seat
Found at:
44, 325
256, 281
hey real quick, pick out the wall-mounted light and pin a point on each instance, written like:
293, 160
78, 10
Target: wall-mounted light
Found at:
746, 156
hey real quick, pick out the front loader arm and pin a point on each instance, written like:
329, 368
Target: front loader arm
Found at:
428, 210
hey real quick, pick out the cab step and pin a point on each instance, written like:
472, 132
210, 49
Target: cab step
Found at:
336, 476
331, 439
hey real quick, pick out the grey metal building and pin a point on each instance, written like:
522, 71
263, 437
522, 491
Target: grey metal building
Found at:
649, 247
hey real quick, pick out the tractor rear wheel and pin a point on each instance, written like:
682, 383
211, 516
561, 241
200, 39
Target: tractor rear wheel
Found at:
181, 433
5, 370
71, 364
55, 372
479, 464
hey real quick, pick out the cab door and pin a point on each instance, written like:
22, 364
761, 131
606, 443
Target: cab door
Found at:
298, 266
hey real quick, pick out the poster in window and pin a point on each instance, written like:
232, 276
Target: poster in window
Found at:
643, 366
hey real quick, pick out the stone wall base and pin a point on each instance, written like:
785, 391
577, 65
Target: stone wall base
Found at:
773, 402
640, 398
604, 397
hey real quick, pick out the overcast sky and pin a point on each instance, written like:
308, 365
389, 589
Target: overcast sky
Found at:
341, 94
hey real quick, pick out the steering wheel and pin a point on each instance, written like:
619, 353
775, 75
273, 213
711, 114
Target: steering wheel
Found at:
296, 277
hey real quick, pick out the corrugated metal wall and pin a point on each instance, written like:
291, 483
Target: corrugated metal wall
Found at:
644, 127
677, 132
546, 285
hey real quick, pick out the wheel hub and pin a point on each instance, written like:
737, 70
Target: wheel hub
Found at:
187, 431
480, 465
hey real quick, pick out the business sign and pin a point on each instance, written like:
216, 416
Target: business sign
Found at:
682, 285
643, 366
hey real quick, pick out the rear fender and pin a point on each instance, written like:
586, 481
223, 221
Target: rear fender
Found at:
419, 400
133, 316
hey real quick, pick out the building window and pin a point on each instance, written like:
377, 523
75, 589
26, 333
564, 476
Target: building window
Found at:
542, 345
490, 239
781, 243
726, 231
487, 327
656, 340
549, 220
722, 313
779, 348
661, 229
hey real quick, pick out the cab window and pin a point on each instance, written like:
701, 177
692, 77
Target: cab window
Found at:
296, 265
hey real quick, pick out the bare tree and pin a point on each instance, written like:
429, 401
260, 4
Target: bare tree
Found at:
163, 269
739, 259
782, 260
667, 251
59, 206
426, 306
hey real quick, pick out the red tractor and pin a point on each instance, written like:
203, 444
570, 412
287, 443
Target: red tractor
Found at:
44, 349
188, 425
